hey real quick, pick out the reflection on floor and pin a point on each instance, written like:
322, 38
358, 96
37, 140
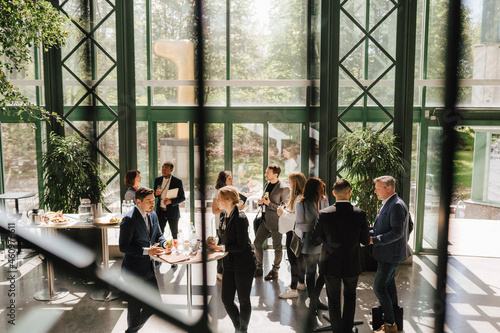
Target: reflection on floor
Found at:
473, 297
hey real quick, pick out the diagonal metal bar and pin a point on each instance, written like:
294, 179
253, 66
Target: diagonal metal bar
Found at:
104, 131
341, 122
73, 108
386, 126
77, 46
106, 106
353, 49
103, 50
76, 77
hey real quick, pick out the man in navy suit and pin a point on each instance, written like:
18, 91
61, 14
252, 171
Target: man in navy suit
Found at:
140, 236
341, 228
167, 209
390, 247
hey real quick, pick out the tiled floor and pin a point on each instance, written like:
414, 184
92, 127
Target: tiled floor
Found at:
473, 297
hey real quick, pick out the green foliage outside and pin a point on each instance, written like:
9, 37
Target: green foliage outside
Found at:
463, 162
69, 174
23, 25
364, 155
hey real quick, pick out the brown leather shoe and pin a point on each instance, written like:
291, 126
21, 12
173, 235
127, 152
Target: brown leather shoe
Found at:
387, 329
258, 272
271, 275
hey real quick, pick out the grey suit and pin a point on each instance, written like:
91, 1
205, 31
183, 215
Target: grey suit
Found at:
269, 226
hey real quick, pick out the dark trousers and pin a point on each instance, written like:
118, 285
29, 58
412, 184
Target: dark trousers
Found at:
296, 266
172, 223
138, 313
241, 282
341, 323
384, 287
314, 282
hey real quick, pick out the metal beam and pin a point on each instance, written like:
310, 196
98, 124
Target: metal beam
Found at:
127, 132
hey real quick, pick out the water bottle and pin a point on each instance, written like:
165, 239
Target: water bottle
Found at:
193, 240
180, 241
130, 206
124, 207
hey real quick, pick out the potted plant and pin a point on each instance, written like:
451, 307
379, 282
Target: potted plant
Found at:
69, 174
362, 156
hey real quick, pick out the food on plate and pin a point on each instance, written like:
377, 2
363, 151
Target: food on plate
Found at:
55, 217
211, 240
115, 219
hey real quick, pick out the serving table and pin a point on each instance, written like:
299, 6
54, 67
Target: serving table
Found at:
51, 293
195, 259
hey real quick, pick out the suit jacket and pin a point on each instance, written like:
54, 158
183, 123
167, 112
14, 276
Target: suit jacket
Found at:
390, 232
341, 228
235, 237
279, 194
134, 237
173, 211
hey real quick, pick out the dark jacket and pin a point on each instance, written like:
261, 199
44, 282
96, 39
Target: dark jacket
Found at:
173, 211
235, 237
390, 232
134, 237
341, 228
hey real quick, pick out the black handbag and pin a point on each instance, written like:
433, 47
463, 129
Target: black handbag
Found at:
257, 221
296, 245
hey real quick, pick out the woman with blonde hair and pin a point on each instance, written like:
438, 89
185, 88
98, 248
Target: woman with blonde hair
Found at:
239, 264
297, 181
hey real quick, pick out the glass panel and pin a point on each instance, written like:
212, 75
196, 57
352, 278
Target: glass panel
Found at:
20, 78
248, 160
248, 143
214, 153
172, 43
173, 146
415, 148
493, 179
284, 147
432, 188
143, 151
268, 39
314, 149
20, 165
268, 96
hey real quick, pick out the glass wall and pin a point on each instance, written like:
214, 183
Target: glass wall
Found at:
20, 172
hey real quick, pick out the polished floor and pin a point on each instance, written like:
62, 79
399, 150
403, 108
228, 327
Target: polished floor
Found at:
473, 299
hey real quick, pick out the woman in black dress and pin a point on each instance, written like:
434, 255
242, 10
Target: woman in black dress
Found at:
239, 264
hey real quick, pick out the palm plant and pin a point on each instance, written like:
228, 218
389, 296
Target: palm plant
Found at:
362, 156
70, 174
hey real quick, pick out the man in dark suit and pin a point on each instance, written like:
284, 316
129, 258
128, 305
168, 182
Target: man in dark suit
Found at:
168, 208
275, 192
140, 236
390, 247
341, 228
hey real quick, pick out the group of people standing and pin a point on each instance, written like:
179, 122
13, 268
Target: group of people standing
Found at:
331, 237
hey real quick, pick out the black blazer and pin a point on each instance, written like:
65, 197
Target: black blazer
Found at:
341, 228
134, 237
173, 211
235, 237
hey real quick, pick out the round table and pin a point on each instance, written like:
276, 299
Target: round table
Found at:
196, 259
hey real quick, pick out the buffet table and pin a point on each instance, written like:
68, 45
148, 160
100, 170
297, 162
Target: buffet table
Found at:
51, 293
